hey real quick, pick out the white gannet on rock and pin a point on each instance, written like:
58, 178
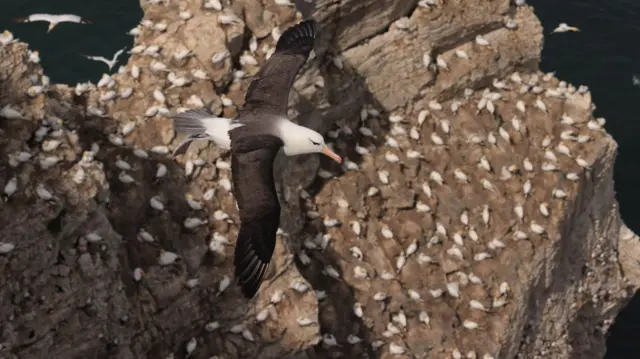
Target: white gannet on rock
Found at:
254, 138
10, 113
34, 56
53, 20
7, 38
109, 63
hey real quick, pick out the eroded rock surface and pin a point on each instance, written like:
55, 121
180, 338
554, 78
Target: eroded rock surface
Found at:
474, 215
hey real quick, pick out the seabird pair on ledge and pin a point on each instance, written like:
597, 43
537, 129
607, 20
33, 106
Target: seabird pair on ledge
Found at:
254, 137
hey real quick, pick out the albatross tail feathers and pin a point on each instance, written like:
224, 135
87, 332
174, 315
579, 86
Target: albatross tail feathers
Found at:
192, 121
298, 38
201, 125
254, 249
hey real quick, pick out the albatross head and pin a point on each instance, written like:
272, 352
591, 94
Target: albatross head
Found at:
300, 140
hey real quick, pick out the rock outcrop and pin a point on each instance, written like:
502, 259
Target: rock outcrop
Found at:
474, 216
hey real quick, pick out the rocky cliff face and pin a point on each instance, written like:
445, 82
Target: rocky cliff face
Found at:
475, 216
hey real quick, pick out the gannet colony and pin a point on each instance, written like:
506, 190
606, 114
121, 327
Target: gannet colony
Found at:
464, 207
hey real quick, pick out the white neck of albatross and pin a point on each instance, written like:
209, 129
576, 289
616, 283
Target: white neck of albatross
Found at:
298, 140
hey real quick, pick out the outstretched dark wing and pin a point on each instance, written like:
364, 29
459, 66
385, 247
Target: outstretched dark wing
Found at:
271, 86
252, 173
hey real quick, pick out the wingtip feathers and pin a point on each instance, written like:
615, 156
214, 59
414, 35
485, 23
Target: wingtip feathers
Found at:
250, 270
253, 252
298, 38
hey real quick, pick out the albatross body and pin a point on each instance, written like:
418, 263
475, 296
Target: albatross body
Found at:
53, 20
254, 138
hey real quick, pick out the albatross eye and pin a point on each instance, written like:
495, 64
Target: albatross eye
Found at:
314, 142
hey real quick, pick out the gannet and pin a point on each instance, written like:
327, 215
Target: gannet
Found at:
109, 63
254, 138
7, 38
34, 56
562, 27
53, 20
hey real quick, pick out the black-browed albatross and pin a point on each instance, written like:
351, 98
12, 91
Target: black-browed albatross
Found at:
255, 137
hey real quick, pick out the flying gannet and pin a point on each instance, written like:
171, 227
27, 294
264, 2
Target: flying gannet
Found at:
563, 27
254, 138
109, 63
53, 20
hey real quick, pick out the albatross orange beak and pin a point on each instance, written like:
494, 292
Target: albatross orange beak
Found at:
327, 152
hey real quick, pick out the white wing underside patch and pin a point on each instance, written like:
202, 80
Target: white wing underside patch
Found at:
198, 122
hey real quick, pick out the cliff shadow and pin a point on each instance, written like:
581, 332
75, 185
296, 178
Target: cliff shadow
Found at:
348, 96
586, 333
133, 177
186, 293
565, 283
172, 302
99, 309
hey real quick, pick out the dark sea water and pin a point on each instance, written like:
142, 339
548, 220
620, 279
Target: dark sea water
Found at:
61, 49
604, 55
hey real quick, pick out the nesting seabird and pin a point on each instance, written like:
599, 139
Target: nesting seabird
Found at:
53, 20
254, 138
